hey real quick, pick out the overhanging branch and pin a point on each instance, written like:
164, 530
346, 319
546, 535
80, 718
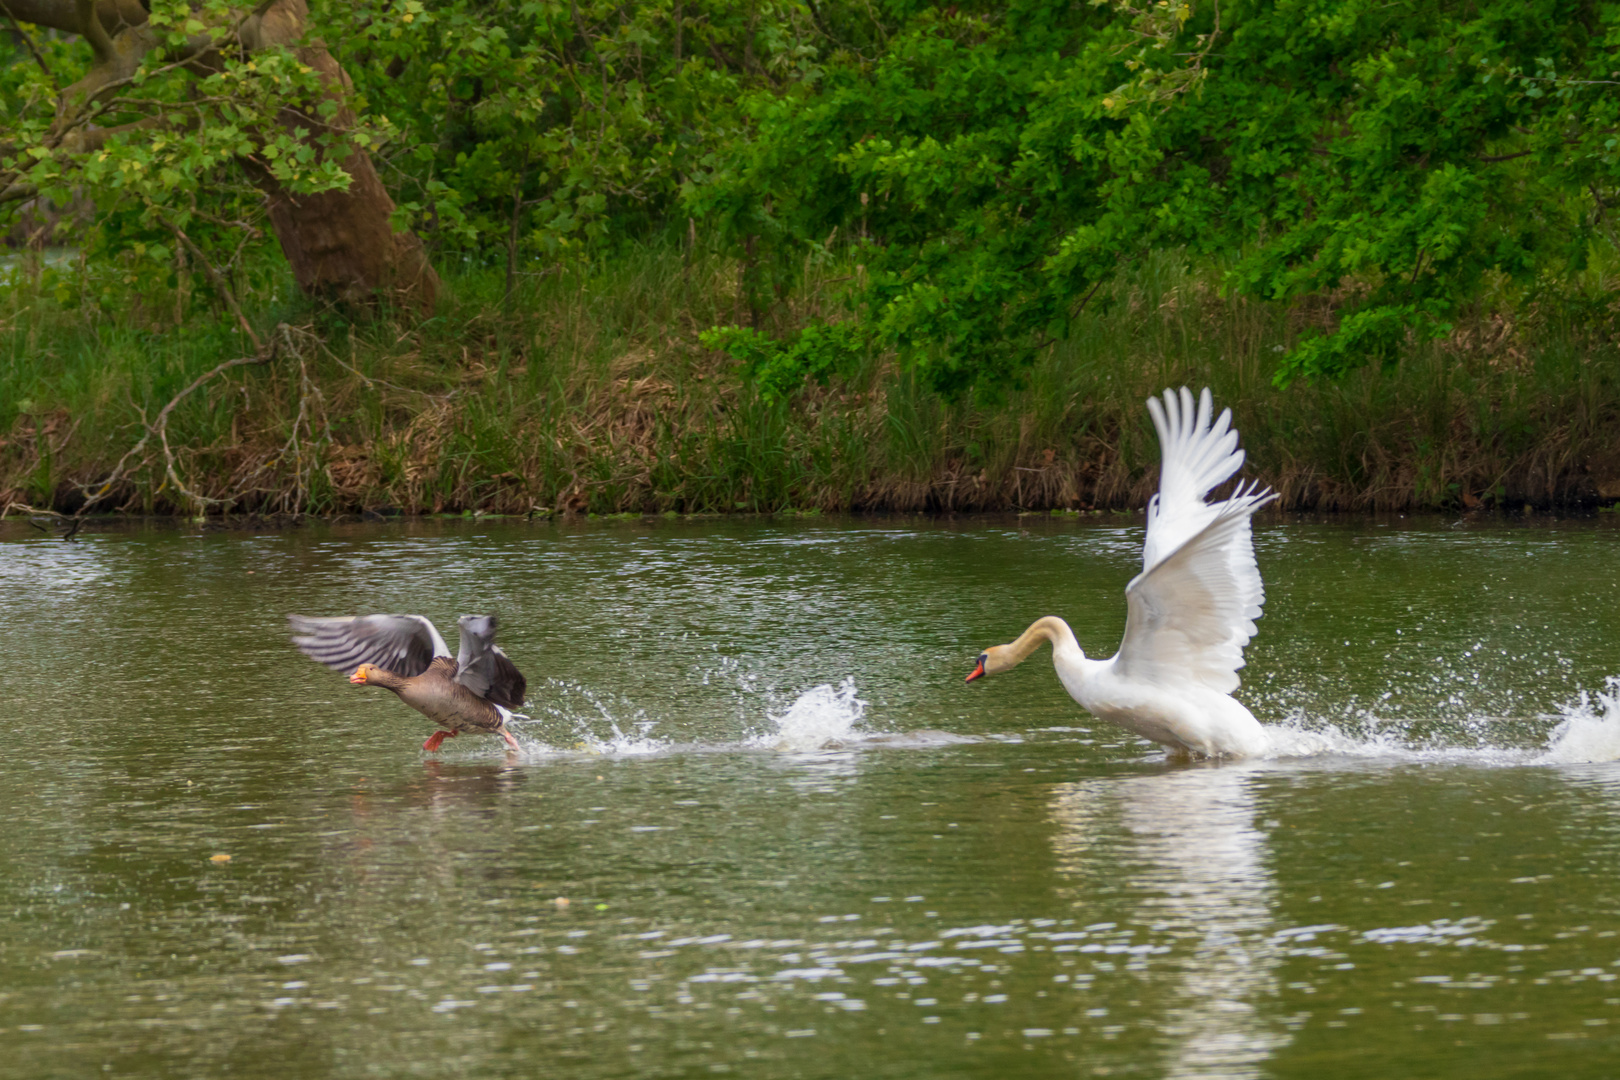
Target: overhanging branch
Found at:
114, 15
17, 192
101, 42
28, 39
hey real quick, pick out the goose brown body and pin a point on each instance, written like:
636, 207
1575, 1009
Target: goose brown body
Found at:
474, 692
438, 696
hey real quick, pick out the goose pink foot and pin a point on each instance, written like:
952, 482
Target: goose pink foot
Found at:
436, 739
513, 743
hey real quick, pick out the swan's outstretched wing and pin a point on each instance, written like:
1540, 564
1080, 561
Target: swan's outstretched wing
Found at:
484, 667
403, 644
1191, 614
1199, 453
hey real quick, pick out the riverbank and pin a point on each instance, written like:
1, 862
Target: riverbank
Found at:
589, 392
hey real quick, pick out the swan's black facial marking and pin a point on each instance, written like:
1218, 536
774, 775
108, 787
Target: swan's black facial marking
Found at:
984, 658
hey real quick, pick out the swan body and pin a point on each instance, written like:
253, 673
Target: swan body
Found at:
1190, 611
475, 691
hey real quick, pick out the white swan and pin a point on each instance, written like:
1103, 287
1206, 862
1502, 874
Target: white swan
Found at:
1189, 612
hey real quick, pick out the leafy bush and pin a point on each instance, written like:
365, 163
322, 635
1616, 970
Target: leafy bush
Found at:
994, 164
778, 368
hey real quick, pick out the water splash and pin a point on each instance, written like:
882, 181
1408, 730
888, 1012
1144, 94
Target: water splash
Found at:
828, 717
1292, 738
1590, 730
1363, 734
822, 717
568, 718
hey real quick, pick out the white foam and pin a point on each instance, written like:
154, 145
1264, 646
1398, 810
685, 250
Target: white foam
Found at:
616, 744
621, 744
1590, 730
828, 717
585, 711
821, 717
1291, 740
1588, 733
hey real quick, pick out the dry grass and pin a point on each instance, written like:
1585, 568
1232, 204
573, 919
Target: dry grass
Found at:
595, 396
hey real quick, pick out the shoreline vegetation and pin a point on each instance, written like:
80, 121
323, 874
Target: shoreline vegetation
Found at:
587, 391
702, 256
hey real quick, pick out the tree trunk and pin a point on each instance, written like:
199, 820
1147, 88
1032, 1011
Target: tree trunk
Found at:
340, 243
342, 247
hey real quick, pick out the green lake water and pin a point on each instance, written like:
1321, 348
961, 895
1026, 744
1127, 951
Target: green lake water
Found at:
762, 828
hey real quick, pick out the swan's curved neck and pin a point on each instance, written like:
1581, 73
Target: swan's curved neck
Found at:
1077, 672
1051, 628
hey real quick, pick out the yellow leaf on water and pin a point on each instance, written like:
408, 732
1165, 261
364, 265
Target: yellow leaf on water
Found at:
221, 858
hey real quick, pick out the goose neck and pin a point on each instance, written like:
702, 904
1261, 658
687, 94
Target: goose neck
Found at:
384, 678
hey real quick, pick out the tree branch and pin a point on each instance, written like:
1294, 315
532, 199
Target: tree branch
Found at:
101, 42
64, 14
28, 39
217, 279
159, 427
18, 191
85, 141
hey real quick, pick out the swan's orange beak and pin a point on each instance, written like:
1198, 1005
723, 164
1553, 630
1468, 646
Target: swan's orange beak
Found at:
976, 673
360, 673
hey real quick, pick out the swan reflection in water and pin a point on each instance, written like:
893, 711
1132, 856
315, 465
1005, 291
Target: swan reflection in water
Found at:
1195, 877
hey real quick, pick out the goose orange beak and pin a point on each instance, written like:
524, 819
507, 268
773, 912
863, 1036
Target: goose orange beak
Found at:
976, 673
359, 676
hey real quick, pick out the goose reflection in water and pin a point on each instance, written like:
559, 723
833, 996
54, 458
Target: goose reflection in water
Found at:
429, 825
474, 787
1195, 871
474, 790
472, 784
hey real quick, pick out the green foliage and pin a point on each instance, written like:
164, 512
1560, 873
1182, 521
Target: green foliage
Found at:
984, 169
156, 135
593, 395
778, 368
995, 164
547, 129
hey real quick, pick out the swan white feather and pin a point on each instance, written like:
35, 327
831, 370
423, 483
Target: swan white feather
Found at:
1191, 610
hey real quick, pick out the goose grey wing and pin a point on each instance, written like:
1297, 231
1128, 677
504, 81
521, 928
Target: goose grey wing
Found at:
484, 667
403, 644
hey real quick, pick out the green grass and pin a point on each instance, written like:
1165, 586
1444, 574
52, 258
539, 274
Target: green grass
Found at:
594, 395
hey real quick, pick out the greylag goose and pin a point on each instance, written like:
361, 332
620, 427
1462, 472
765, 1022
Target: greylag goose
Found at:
475, 691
